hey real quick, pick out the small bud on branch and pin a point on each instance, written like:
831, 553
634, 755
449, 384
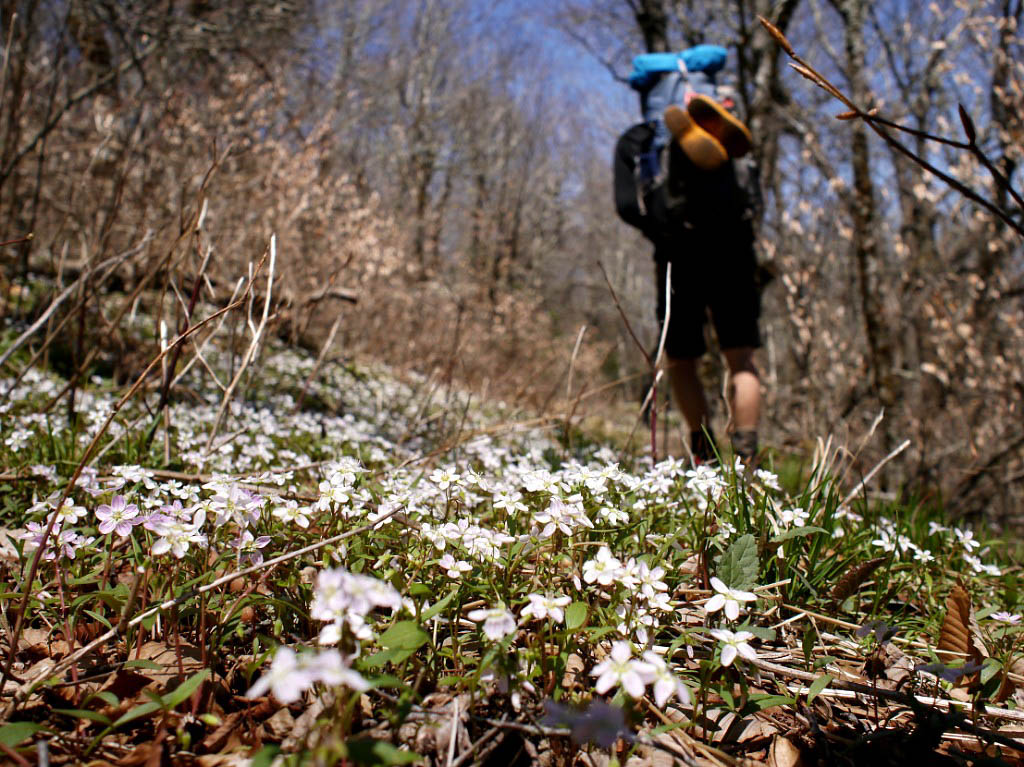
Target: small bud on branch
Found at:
777, 34
968, 124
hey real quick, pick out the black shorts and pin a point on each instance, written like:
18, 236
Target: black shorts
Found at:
711, 272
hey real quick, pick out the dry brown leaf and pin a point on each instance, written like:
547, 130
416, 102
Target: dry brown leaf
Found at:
280, 725
223, 760
167, 657
574, 667
898, 666
757, 729
955, 634
854, 578
784, 754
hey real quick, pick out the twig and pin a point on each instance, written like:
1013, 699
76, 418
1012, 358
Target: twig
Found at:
863, 483
475, 746
71, 101
453, 730
165, 391
625, 319
257, 334
319, 363
809, 72
905, 699
30, 331
121, 626
11, 24
572, 360
37, 556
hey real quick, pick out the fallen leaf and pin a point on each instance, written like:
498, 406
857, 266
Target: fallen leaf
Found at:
280, 725
898, 666
784, 754
166, 657
854, 578
224, 760
955, 634
574, 666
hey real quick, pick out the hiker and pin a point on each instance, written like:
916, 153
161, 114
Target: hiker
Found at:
680, 179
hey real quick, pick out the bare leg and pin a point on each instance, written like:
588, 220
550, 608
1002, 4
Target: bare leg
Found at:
688, 393
744, 388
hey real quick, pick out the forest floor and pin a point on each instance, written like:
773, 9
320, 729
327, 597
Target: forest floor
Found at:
329, 564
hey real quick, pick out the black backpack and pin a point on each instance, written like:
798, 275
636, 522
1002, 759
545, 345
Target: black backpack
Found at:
677, 196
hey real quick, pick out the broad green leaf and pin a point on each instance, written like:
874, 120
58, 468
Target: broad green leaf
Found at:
14, 733
797, 532
404, 635
385, 680
439, 605
379, 752
575, 615
764, 633
184, 691
81, 713
420, 590
989, 668
378, 659
265, 756
817, 686
738, 565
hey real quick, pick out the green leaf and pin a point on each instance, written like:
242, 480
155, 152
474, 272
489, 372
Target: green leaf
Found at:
379, 752
99, 618
378, 659
14, 733
420, 590
817, 686
404, 635
142, 663
738, 566
265, 756
184, 691
439, 605
138, 712
401, 641
385, 681
797, 532
764, 633
575, 615
761, 702
989, 668
107, 697
81, 713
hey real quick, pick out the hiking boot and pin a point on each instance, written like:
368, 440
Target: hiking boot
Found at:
702, 445
730, 133
744, 444
703, 149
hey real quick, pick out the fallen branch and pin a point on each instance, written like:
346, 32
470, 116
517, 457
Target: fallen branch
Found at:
123, 624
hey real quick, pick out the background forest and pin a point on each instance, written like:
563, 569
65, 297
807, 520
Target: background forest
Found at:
437, 175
